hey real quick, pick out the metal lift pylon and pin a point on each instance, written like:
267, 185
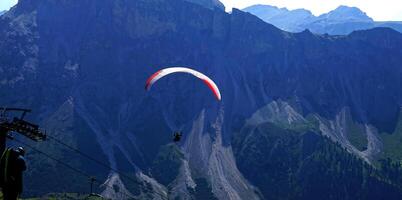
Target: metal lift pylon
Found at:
17, 125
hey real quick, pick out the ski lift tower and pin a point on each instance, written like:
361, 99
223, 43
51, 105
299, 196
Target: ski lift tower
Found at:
10, 123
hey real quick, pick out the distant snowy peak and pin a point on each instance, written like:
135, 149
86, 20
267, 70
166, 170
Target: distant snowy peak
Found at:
346, 14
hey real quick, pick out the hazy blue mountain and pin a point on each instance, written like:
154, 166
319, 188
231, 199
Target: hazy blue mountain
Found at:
341, 21
394, 25
303, 116
2, 12
212, 4
288, 20
346, 14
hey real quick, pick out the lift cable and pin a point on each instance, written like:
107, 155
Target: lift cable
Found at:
85, 155
71, 167
91, 158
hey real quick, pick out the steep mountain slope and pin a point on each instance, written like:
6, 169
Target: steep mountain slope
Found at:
82, 67
303, 165
2, 12
341, 21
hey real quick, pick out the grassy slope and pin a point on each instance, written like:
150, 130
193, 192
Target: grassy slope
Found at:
356, 134
393, 143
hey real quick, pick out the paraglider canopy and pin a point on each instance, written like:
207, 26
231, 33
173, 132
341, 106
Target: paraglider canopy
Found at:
164, 72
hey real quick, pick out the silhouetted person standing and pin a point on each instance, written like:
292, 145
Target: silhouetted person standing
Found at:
12, 166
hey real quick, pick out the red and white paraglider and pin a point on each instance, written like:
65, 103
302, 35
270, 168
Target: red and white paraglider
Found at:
164, 72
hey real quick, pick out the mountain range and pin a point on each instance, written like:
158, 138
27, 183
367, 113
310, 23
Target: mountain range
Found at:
341, 21
302, 116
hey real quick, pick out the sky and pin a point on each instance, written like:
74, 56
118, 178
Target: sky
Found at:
6, 4
380, 10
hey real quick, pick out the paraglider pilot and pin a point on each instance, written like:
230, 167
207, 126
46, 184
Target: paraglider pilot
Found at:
177, 136
12, 165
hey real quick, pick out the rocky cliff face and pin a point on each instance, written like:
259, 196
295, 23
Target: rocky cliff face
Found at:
82, 66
